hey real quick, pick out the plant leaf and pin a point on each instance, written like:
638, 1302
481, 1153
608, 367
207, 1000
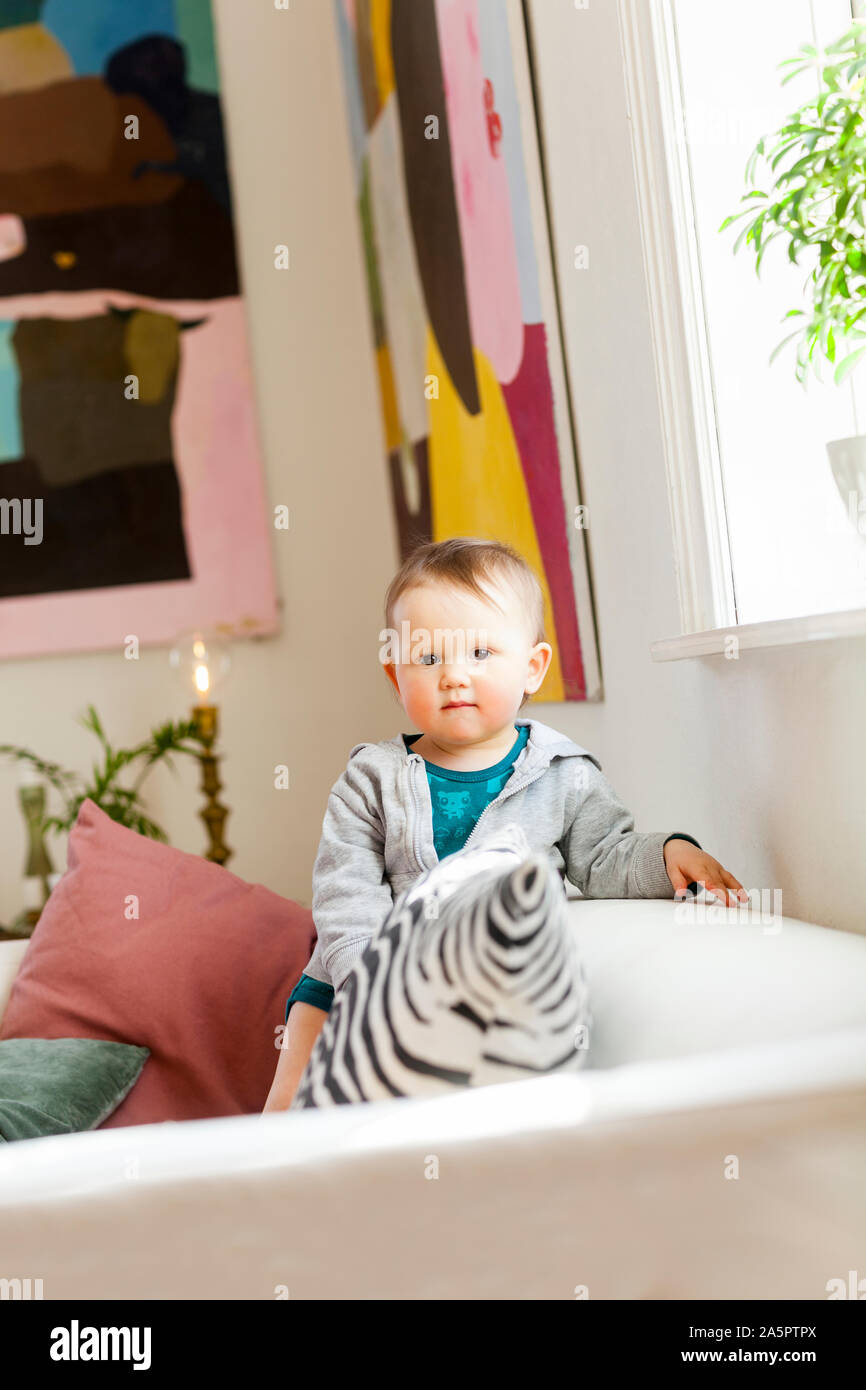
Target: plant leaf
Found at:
90, 721
846, 366
776, 350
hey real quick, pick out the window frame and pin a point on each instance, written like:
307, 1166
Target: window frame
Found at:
702, 555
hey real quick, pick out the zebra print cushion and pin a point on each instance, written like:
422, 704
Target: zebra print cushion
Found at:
472, 979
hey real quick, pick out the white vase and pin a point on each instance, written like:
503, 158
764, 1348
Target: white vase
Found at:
848, 462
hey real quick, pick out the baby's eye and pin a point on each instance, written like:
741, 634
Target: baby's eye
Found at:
484, 650
427, 659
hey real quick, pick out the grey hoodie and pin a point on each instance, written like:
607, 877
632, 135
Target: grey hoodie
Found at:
377, 836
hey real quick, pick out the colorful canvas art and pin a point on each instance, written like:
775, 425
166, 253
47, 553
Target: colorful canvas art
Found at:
131, 492
471, 378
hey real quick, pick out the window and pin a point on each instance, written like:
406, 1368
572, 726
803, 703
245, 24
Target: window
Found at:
765, 534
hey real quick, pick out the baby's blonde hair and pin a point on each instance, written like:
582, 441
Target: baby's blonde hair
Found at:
464, 561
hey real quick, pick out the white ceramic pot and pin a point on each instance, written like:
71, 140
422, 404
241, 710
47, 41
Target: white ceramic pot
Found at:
848, 462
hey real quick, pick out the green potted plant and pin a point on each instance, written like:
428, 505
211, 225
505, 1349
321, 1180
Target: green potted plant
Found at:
122, 804
811, 192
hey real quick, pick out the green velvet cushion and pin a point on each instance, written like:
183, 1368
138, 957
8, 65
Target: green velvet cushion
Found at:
62, 1085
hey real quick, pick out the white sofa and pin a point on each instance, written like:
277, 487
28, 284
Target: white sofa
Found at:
715, 1148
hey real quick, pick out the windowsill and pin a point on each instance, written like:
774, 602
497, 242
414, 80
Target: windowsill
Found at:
782, 633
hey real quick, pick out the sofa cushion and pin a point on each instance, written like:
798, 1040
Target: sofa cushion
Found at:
145, 944
63, 1085
472, 979
677, 979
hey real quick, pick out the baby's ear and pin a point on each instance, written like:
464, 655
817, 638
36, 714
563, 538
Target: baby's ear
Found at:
391, 676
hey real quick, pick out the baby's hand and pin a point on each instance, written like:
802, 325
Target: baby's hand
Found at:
686, 864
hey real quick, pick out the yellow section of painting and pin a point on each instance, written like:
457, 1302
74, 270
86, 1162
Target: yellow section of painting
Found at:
380, 34
31, 57
477, 487
388, 394
152, 350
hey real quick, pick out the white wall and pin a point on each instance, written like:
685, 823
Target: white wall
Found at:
762, 759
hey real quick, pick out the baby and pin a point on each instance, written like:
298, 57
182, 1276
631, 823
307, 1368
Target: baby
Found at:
474, 612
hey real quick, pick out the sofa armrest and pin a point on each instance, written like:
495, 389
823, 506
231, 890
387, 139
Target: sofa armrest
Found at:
612, 1181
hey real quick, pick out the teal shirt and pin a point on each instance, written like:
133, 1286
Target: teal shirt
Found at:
457, 798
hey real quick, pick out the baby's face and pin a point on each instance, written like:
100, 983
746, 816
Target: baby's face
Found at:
464, 675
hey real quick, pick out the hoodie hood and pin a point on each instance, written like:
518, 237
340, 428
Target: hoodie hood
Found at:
543, 745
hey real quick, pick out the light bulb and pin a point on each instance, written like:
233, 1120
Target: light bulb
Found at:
202, 661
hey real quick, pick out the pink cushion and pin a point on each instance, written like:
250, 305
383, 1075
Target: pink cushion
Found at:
201, 977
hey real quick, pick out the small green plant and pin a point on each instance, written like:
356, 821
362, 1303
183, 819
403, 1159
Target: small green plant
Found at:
122, 804
817, 198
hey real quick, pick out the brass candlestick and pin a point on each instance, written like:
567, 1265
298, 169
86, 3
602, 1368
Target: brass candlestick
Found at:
214, 814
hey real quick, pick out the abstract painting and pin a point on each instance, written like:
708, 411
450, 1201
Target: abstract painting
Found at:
132, 499
471, 378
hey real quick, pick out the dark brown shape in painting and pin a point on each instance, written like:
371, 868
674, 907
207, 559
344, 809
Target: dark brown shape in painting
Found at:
430, 189
123, 527
63, 148
182, 248
413, 527
79, 417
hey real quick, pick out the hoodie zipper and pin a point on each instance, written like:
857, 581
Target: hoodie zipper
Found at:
507, 791
416, 844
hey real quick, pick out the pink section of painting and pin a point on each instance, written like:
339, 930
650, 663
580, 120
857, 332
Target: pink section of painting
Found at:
529, 400
483, 199
225, 511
